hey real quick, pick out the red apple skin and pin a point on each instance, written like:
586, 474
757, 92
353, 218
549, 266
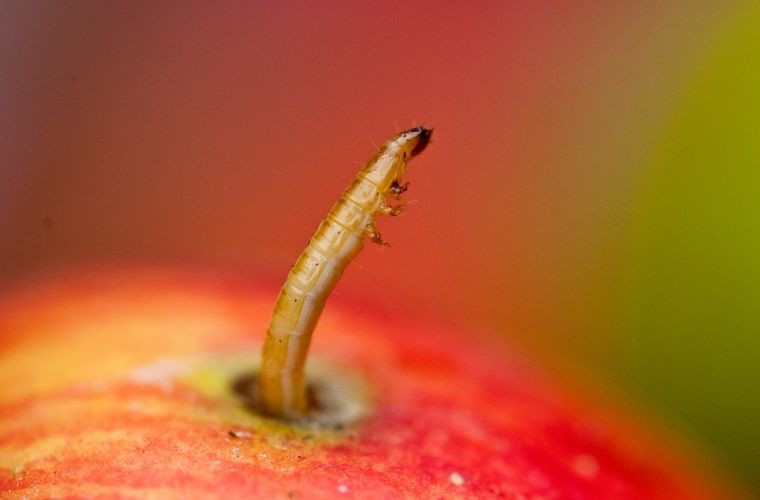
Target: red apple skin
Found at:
110, 387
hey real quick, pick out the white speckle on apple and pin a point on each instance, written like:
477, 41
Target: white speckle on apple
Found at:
456, 479
342, 488
585, 466
160, 374
240, 434
235, 453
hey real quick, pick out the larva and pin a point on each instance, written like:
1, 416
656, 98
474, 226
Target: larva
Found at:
282, 387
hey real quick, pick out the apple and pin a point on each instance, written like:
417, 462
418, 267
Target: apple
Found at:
136, 383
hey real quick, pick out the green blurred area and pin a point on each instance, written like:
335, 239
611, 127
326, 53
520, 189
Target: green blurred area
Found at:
695, 318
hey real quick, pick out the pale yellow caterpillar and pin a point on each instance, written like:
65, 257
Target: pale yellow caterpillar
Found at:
282, 386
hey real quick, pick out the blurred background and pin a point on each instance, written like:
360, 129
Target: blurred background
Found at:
592, 193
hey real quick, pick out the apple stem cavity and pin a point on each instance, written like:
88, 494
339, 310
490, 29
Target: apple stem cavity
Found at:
282, 388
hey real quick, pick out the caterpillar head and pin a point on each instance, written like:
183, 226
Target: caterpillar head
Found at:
421, 137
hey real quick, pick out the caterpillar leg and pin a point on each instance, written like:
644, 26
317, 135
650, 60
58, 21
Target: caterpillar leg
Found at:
389, 210
398, 189
374, 235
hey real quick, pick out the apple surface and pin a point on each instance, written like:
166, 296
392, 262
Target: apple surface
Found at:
138, 384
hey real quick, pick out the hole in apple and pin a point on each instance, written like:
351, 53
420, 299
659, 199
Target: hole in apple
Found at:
334, 404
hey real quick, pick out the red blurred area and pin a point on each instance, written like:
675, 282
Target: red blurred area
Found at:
179, 133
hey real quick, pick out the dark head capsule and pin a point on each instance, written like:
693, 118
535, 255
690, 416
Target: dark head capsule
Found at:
423, 135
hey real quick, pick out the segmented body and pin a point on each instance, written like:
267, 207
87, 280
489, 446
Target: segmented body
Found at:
340, 236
